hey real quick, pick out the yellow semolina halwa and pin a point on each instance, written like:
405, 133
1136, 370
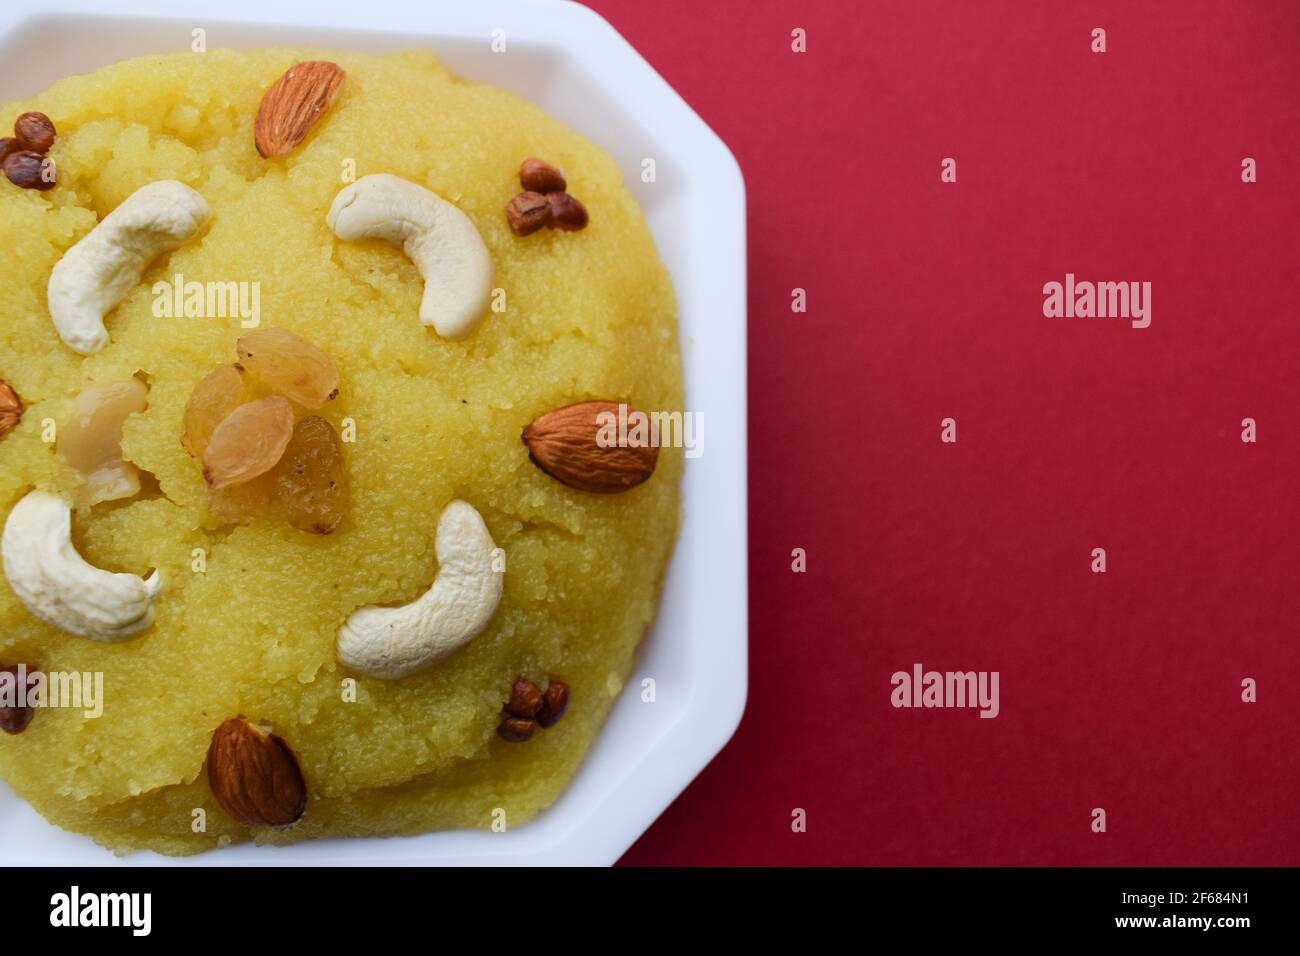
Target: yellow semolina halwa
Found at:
248, 615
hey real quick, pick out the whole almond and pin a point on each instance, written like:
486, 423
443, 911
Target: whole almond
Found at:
564, 444
11, 408
293, 104
255, 776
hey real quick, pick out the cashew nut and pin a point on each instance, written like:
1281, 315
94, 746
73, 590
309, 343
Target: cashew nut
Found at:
397, 641
58, 586
97, 273
435, 235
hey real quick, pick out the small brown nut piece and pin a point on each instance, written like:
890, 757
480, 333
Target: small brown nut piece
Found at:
293, 104
566, 212
516, 729
34, 132
26, 169
554, 703
539, 176
8, 144
255, 776
525, 699
14, 719
527, 213
11, 408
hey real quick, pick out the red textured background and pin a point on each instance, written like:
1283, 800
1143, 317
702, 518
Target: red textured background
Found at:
1119, 690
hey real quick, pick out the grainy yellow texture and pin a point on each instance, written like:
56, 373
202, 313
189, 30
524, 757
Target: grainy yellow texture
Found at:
590, 316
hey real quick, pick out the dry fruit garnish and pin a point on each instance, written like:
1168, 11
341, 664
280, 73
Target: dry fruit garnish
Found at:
91, 440
27, 170
390, 642
289, 365
544, 201
311, 480
529, 708
14, 717
244, 502
516, 729
252, 452
440, 240
248, 442
528, 212
554, 703
23, 154
293, 104
11, 408
58, 585
34, 131
539, 176
566, 212
564, 444
216, 396
255, 776
106, 263
525, 699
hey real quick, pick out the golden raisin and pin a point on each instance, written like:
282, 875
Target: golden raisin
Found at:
248, 442
244, 502
311, 480
290, 365
216, 396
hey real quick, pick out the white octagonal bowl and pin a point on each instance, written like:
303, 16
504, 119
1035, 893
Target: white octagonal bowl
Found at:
573, 64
